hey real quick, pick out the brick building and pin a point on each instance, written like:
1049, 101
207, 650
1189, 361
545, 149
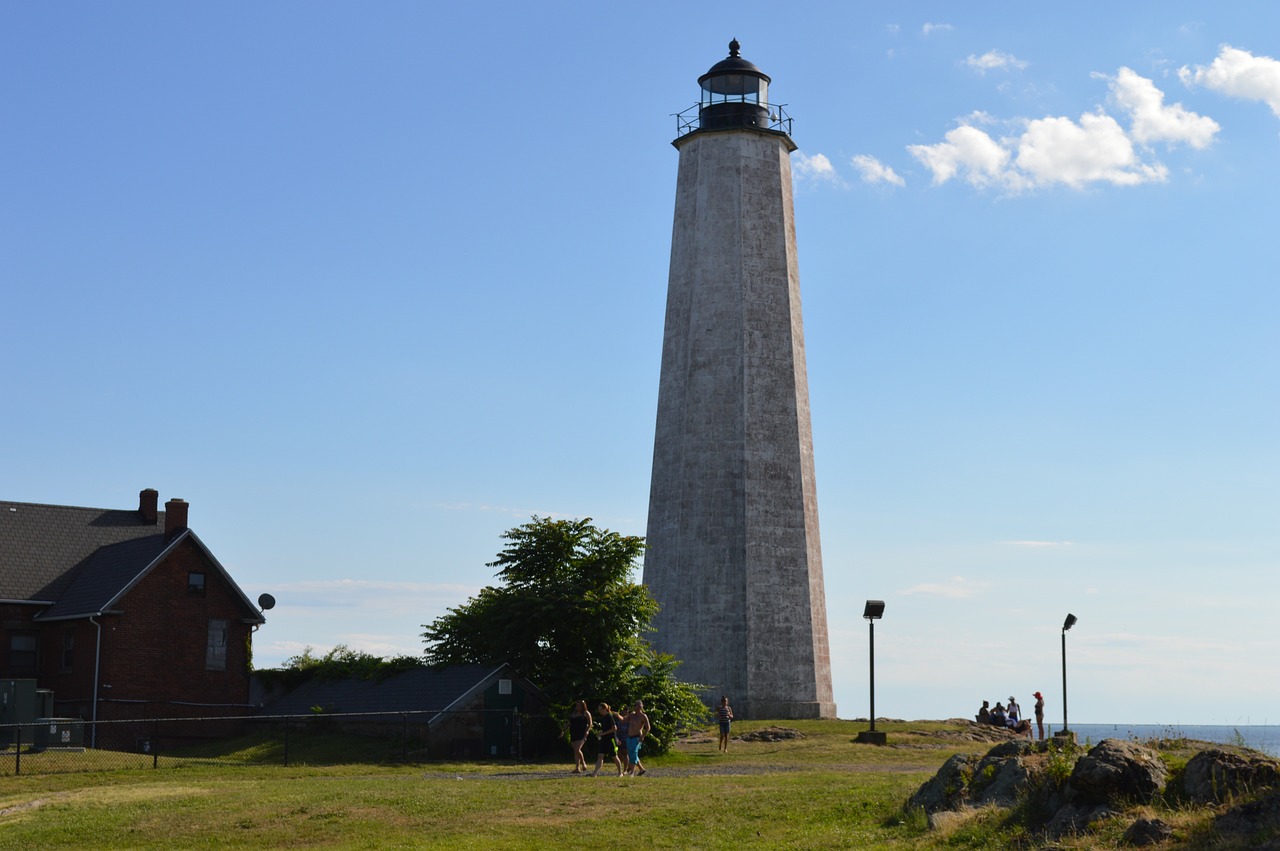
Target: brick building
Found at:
121, 613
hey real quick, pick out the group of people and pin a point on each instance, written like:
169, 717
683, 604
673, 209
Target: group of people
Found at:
1011, 716
620, 737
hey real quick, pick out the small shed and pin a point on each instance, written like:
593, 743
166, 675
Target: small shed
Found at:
460, 711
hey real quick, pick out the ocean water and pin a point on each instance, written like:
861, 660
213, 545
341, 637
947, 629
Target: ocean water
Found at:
1260, 737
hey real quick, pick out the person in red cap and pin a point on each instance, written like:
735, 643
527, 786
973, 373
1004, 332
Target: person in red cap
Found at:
1040, 714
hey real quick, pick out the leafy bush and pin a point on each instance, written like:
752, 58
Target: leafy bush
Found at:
340, 663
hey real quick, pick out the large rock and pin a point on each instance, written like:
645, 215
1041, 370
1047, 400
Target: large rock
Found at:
1147, 831
1076, 818
1213, 776
1260, 818
999, 777
1002, 776
947, 789
1118, 770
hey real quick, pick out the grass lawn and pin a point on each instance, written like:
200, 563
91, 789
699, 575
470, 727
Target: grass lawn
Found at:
822, 791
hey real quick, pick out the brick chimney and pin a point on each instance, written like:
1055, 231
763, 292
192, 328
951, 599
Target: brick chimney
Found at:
147, 503
175, 518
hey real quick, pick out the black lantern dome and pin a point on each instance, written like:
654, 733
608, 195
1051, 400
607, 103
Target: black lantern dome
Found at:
735, 93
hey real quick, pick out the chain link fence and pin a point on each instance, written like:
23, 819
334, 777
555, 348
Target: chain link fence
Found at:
59, 745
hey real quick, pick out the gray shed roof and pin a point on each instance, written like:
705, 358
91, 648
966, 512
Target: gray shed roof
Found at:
415, 690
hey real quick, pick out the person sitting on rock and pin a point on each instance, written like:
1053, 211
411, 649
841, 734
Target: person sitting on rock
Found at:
984, 714
1013, 720
998, 715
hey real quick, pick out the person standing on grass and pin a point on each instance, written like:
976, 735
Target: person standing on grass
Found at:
609, 721
620, 728
1040, 714
579, 726
724, 713
637, 728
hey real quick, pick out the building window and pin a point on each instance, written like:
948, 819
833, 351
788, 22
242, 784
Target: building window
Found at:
68, 648
23, 651
215, 655
195, 584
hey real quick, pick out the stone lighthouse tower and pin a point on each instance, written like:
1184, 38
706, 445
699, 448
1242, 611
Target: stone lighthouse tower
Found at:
734, 557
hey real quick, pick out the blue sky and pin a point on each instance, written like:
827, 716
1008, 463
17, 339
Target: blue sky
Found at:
369, 284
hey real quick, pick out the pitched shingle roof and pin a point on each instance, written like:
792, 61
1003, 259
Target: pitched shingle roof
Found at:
78, 561
104, 575
44, 547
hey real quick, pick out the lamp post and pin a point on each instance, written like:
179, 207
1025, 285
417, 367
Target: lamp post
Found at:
873, 611
1066, 625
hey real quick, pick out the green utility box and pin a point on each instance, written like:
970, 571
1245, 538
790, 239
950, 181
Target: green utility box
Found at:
17, 711
58, 734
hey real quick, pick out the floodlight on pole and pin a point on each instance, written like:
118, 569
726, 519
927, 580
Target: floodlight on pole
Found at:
1066, 625
873, 611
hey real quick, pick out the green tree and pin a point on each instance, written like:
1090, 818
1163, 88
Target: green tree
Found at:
568, 616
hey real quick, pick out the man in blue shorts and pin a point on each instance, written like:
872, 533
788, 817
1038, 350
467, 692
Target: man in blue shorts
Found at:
637, 728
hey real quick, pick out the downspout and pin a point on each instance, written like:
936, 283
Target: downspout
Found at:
97, 663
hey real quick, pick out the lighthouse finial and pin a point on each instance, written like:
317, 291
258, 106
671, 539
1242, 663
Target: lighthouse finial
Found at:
733, 48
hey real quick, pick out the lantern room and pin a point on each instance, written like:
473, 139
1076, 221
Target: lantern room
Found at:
735, 93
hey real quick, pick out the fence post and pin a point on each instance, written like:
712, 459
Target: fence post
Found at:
404, 736
286, 741
17, 749
155, 743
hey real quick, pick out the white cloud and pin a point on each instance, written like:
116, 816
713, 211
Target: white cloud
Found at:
383, 596
994, 60
874, 171
1155, 122
1038, 543
1240, 74
929, 29
816, 167
1049, 151
966, 150
1096, 149
958, 588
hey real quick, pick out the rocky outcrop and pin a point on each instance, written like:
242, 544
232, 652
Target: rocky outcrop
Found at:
771, 734
1254, 819
1058, 799
1118, 770
1076, 818
972, 731
1147, 831
999, 777
1214, 776
949, 788
1055, 790
1004, 774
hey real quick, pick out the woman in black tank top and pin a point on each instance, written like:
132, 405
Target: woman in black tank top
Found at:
579, 724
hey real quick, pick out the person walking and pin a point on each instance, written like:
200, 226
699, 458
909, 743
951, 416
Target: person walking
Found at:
579, 726
1040, 714
638, 727
724, 713
609, 721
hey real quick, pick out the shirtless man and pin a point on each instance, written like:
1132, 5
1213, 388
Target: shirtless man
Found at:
637, 724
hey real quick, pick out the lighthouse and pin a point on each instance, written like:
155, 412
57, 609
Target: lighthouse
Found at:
734, 557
